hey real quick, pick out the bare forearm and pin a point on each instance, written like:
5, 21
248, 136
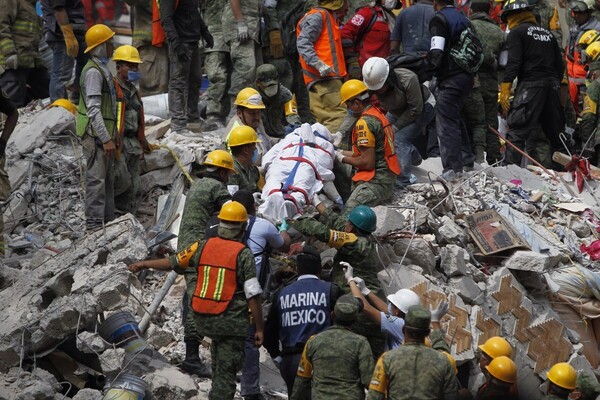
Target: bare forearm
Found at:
236, 8
256, 310
161, 264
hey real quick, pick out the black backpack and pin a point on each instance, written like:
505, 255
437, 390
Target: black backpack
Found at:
416, 62
288, 28
467, 51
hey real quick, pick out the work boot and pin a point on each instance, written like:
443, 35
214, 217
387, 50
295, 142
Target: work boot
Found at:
212, 123
192, 364
479, 154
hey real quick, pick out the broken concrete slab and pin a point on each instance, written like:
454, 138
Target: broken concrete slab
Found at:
388, 220
454, 260
450, 232
395, 277
88, 394
169, 383
158, 177
528, 261
418, 252
467, 289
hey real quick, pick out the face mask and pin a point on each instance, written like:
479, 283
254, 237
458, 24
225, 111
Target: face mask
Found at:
271, 90
255, 156
134, 76
390, 4
354, 114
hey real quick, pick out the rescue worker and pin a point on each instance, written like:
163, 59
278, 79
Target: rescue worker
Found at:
64, 30
587, 386
493, 41
584, 21
351, 236
217, 66
454, 84
241, 28
133, 142
242, 143
322, 58
336, 364
412, 28
98, 124
562, 380
291, 323
373, 154
410, 108
183, 28
367, 34
501, 376
495, 346
589, 116
25, 78
535, 59
414, 371
279, 108
155, 71
249, 106
12, 115
221, 281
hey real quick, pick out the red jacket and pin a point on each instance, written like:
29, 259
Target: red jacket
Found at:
367, 42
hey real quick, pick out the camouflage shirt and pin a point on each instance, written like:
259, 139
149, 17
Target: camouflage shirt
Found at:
247, 177
273, 116
212, 13
413, 372
589, 115
549, 19
234, 320
337, 363
493, 40
369, 133
205, 198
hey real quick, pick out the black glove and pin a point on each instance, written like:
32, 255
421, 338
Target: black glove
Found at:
2, 147
182, 52
208, 38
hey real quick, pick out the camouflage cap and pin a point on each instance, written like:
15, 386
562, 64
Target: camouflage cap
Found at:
588, 385
346, 308
417, 317
267, 73
594, 66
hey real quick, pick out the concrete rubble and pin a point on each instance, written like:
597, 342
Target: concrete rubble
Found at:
57, 284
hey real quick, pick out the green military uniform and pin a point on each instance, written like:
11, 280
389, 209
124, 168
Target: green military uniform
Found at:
588, 385
247, 177
590, 115
360, 251
549, 19
369, 133
493, 40
155, 68
337, 363
226, 330
474, 116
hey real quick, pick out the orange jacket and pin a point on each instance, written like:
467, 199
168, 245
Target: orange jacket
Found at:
216, 276
328, 48
388, 145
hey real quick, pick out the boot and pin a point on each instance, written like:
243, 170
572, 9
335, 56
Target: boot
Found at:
192, 364
479, 155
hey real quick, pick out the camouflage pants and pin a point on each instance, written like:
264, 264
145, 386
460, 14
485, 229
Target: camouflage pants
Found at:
132, 151
154, 69
227, 353
218, 70
187, 318
538, 147
325, 103
371, 193
184, 86
474, 116
245, 57
492, 141
99, 184
4, 193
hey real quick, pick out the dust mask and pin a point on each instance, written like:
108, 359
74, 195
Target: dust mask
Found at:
271, 91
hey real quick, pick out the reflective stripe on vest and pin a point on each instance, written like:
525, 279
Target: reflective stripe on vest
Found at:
388, 146
216, 276
328, 47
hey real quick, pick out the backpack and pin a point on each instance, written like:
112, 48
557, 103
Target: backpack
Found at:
288, 28
416, 62
467, 51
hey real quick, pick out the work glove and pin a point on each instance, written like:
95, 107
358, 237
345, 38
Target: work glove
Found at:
438, 312
182, 53
208, 38
337, 138
505, 88
324, 69
2, 147
243, 35
339, 155
70, 40
276, 44
348, 271
321, 199
257, 197
284, 226
360, 282
12, 62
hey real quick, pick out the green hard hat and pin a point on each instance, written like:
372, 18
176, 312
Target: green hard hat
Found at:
364, 218
417, 317
346, 308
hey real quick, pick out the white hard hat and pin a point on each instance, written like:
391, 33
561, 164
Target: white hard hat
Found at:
375, 71
403, 299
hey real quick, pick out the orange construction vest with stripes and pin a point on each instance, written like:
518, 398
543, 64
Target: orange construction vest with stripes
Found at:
328, 48
216, 276
388, 145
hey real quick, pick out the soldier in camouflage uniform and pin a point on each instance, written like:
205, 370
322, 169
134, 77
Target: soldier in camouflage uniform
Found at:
241, 31
352, 238
277, 100
221, 306
473, 114
337, 362
493, 40
242, 143
217, 65
414, 371
590, 115
588, 386
155, 69
8, 108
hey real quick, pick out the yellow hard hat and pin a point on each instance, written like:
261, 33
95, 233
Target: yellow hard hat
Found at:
233, 211
97, 35
352, 88
563, 375
127, 53
249, 98
503, 369
66, 104
452, 361
588, 37
241, 135
591, 53
496, 346
219, 158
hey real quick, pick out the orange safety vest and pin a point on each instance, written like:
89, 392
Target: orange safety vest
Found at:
158, 33
388, 146
577, 75
328, 47
216, 276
